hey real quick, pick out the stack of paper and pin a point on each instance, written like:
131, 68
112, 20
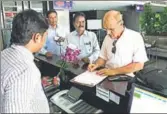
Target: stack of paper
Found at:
88, 78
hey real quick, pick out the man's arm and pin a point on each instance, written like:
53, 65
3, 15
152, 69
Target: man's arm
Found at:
96, 49
101, 61
44, 51
132, 67
19, 93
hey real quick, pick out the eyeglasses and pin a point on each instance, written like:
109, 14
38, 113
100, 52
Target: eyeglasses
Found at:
116, 26
114, 47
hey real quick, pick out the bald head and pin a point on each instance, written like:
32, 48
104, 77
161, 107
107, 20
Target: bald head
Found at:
113, 21
112, 15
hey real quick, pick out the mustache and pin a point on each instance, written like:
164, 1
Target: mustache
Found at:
81, 26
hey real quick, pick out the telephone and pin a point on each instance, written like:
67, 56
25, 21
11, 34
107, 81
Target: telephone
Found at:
70, 102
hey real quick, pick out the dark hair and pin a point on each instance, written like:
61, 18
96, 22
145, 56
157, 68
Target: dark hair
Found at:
78, 14
25, 24
49, 12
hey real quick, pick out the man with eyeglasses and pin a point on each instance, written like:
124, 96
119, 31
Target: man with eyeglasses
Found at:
123, 50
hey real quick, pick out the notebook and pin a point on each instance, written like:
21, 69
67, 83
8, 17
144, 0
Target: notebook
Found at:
89, 79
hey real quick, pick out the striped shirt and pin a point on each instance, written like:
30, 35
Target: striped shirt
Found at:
21, 89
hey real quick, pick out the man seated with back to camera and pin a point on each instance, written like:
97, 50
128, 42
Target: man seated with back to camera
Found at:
85, 40
123, 50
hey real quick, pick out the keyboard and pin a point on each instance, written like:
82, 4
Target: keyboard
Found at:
68, 98
83, 107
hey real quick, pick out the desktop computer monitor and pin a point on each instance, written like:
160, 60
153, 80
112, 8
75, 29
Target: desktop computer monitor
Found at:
146, 101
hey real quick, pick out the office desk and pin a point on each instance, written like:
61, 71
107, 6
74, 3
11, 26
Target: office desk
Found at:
55, 62
89, 93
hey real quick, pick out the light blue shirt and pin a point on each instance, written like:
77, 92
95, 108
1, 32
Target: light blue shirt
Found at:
51, 45
87, 43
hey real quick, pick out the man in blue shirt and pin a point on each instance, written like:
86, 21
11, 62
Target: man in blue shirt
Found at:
55, 36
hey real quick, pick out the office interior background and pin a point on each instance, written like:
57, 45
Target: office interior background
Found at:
156, 45
94, 10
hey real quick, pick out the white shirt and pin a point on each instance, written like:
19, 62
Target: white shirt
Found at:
51, 45
21, 89
87, 43
129, 48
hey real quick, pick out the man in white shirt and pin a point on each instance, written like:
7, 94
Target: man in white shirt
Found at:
21, 89
123, 50
55, 36
85, 40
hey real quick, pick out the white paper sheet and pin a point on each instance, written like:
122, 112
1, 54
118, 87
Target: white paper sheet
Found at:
88, 78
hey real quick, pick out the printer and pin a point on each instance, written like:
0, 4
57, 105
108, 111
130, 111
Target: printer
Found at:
70, 102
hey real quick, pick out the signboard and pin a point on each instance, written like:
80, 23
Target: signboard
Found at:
139, 8
9, 13
59, 4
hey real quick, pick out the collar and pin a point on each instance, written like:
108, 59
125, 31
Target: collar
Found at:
24, 51
76, 33
50, 27
122, 34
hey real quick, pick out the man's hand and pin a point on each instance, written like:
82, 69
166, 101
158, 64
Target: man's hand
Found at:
85, 60
48, 54
92, 67
106, 72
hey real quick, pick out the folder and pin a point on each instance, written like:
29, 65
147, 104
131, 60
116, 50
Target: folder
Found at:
87, 78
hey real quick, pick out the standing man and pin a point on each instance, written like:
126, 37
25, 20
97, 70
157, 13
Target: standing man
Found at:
85, 40
123, 50
21, 89
55, 36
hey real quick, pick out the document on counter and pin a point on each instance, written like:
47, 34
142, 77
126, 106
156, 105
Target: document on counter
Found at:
89, 79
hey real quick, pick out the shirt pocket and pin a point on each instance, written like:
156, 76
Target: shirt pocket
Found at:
126, 55
88, 47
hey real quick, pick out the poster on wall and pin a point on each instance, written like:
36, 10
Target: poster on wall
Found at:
59, 4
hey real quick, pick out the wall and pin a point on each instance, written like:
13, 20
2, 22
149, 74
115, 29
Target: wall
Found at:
92, 14
130, 16
131, 20
100, 14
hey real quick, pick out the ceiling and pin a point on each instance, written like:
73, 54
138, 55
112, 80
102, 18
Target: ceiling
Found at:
94, 5
99, 5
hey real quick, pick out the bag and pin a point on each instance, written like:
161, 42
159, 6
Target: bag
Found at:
153, 78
